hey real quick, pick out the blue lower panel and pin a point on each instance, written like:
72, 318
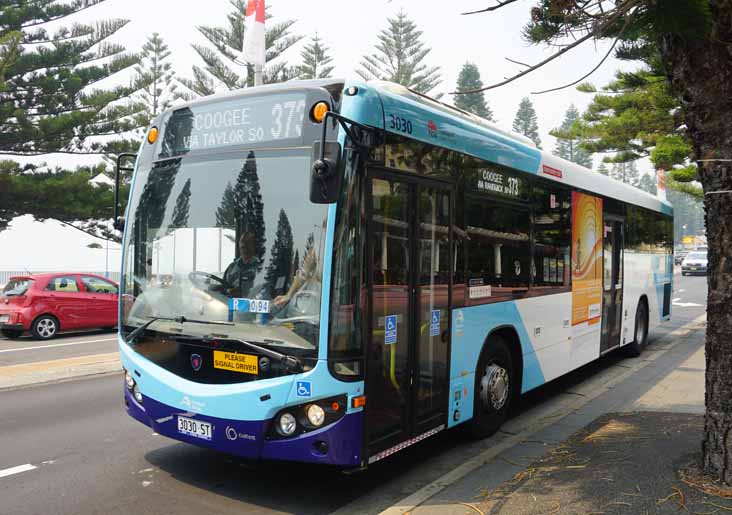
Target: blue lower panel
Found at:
248, 438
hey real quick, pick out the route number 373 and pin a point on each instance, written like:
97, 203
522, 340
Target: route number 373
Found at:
400, 124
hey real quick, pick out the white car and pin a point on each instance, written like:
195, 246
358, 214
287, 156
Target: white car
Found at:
694, 263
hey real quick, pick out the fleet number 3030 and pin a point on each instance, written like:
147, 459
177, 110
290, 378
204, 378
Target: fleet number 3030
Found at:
400, 124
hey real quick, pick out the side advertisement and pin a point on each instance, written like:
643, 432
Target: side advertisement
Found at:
586, 259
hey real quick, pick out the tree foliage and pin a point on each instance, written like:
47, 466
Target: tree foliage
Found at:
242, 208
64, 195
400, 57
278, 274
568, 141
50, 99
526, 121
156, 73
223, 67
316, 63
469, 79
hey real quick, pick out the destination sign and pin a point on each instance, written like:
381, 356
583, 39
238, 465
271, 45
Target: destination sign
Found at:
243, 121
503, 183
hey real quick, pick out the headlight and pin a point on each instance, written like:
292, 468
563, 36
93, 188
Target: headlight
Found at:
315, 414
287, 424
137, 394
129, 380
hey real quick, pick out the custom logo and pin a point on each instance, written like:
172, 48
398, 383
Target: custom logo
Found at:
304, 389
192, 405
432, 128
196, 362
231, 433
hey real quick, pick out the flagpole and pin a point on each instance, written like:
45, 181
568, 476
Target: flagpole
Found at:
258, 74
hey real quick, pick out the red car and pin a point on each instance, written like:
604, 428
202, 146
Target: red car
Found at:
45, 304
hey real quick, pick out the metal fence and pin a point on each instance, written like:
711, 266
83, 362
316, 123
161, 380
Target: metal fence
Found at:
6, 275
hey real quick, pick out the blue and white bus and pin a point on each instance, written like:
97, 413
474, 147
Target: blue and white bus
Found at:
331, 271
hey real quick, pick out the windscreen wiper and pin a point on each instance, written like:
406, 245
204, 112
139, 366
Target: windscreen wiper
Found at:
181, 320
291, 363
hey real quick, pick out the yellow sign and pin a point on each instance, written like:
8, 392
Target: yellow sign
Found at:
244, 363
587, 264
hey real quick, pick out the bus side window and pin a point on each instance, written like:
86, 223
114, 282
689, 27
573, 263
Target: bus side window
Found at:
498, 249
552, 205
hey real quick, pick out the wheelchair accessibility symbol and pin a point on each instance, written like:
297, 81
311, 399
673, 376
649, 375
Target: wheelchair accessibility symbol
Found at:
304, 389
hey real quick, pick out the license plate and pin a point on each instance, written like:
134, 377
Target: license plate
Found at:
196, 428
4, 319
693, 269
244, 363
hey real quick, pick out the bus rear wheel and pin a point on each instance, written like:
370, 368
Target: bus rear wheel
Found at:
640, 336
494, 386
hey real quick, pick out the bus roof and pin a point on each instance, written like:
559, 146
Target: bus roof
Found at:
488, 141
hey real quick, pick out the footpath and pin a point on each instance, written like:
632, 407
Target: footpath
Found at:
629, 447
43, 372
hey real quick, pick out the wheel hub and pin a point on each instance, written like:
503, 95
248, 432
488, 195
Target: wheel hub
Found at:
494, 387
46, 328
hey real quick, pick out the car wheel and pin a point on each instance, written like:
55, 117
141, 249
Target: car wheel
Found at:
494, 386
640, 339
45, 327
11, 334
683, 273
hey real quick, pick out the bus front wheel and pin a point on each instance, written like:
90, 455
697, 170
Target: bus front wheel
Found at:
494, 386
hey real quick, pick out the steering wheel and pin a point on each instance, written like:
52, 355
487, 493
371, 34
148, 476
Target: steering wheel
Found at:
203, 279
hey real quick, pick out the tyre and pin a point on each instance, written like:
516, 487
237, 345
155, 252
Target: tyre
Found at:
45, 327
11, 334
683, 273
494, 388
640, 335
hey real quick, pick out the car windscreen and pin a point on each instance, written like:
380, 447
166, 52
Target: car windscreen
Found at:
16, 287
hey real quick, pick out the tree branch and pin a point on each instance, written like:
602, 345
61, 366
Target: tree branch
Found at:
620, 11
489, 9
85, 231
516, 62
612, 47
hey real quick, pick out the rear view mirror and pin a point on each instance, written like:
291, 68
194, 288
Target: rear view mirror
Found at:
325, 173
122, 159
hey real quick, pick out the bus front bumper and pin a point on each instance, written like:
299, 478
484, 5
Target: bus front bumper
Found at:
336, 444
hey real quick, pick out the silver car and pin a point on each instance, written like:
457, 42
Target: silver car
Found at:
694, 263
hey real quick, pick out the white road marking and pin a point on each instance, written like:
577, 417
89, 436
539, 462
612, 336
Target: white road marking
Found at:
17, 470
682, 291
57, 345
686, 304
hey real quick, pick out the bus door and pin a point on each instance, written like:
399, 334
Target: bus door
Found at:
612, 298
409, 281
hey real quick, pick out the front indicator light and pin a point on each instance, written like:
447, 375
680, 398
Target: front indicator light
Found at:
317, 113
315, 414
129, 381
137, 394
152, 135
287, 425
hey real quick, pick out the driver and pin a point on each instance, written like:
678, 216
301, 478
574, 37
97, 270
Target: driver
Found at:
239, 275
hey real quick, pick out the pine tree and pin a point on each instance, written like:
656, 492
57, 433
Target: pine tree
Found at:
603, 169
648, 184
295, 263
400, 56
315, 60
626, 171
157, 73
526, 121
228, 44
50, 100
568, 143
242, 208
469, 79
182, 207
278, 271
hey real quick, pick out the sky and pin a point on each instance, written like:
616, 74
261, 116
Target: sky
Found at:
350, 29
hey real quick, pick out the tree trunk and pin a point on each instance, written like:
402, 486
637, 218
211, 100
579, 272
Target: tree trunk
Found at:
700, 71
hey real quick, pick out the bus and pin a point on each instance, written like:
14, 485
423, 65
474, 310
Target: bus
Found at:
331, 271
